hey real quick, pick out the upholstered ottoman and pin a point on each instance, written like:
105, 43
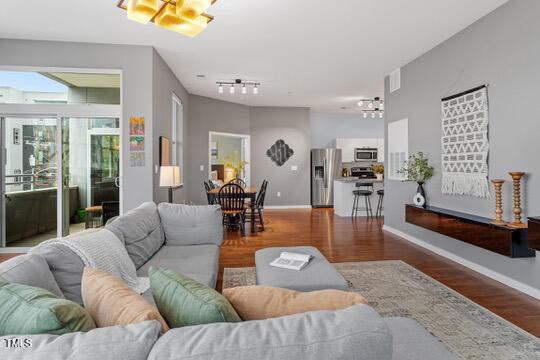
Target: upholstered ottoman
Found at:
319, 274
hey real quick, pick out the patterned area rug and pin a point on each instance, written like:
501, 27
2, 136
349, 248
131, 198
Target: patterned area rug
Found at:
395, 288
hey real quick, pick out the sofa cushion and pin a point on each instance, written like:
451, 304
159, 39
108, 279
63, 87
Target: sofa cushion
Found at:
141, 232
66, 267
264, 302
199, 262
412, 342
185, 302
31, 310
191, 225
111, 302
131, 342
357, 332
31, 270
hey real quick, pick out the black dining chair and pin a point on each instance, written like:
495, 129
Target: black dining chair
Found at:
209, 196
211, 184
109, 210
239, 182
259, 205
231, 197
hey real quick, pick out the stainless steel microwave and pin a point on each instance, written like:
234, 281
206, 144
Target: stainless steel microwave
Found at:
365, 154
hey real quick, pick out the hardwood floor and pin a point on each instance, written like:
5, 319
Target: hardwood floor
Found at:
342, 240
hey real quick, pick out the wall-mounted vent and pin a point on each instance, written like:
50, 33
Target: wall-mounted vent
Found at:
398, 148
395, 80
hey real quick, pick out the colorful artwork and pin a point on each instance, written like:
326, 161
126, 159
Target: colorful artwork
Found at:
136, 126
136, 159
136, 143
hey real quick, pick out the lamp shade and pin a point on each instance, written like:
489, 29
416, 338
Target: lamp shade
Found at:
169, 176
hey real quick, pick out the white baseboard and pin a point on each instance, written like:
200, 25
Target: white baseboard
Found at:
524, 288
280, 207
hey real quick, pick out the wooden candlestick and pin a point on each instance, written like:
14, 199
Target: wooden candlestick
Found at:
516, 177
498, 183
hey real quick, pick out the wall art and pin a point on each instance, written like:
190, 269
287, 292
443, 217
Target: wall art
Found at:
465, 144
280, 152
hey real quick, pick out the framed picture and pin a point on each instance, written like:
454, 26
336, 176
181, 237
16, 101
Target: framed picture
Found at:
214, 150
164, 151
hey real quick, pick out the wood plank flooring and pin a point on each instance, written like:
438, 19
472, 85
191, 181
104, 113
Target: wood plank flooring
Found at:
342, 240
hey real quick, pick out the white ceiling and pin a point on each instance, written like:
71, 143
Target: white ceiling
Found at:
320, 54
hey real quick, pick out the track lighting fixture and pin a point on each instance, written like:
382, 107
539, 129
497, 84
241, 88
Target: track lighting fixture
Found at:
373, 106
239, 82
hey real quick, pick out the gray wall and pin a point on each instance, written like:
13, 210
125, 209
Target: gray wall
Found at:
500, 50
164, 84
269, 124
136, 65
326, 127
207, 115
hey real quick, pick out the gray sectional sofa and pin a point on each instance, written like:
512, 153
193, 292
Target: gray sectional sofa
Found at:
186, 239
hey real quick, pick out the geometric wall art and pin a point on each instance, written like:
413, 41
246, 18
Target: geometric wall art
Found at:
465, 143
280, 152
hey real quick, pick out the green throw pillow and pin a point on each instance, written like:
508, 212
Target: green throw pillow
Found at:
26, 310
184, 302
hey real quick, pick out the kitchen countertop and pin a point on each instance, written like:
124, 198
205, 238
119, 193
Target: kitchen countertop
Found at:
352, 179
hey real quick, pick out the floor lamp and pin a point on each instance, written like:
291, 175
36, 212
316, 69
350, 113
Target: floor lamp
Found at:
169, 176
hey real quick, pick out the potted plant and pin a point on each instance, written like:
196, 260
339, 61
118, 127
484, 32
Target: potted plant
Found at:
418, 169
378, 169
234, 167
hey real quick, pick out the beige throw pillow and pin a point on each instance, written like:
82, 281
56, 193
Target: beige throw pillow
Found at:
111, 302
264, 302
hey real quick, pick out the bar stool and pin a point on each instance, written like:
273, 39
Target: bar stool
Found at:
366, 193
378, 213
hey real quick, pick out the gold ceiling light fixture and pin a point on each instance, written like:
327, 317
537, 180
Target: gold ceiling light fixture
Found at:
187, 17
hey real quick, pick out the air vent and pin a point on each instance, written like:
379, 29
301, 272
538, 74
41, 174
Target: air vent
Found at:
395, 80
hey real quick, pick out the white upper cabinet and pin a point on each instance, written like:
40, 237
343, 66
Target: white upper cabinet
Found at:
347, 147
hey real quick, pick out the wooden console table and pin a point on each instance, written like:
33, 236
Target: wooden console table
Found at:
472, 229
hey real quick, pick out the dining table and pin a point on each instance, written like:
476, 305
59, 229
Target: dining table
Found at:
250, 192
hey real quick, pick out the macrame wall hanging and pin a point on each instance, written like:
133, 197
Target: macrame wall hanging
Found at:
465, 144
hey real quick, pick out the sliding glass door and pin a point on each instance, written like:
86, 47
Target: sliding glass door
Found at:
30, 174
91, 172
81, 154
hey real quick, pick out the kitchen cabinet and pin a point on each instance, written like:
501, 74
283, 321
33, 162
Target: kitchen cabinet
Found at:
348, 145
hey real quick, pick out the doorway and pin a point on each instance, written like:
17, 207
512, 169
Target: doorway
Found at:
229, 157
55, 170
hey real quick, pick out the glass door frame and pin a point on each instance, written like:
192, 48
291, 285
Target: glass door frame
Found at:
58, 111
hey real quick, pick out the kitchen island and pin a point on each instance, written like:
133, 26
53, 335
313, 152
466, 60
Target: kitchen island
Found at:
343, 195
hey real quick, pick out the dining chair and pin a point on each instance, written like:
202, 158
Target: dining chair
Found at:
209, 196
231, 197
211, 184
109, 210
238, 181
259, 205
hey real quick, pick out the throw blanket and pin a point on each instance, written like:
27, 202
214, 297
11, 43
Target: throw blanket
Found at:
101, 249
465, 143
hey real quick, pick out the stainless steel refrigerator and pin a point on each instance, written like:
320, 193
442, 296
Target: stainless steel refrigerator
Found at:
325, 167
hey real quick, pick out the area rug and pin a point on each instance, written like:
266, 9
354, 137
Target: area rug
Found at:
395, 288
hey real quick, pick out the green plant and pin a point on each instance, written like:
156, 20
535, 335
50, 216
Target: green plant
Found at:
417, 168
233, 162
378, 168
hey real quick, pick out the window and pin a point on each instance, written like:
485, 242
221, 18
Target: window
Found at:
177, 133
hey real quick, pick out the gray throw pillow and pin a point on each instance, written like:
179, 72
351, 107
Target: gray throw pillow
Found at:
31, 270
66, 267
